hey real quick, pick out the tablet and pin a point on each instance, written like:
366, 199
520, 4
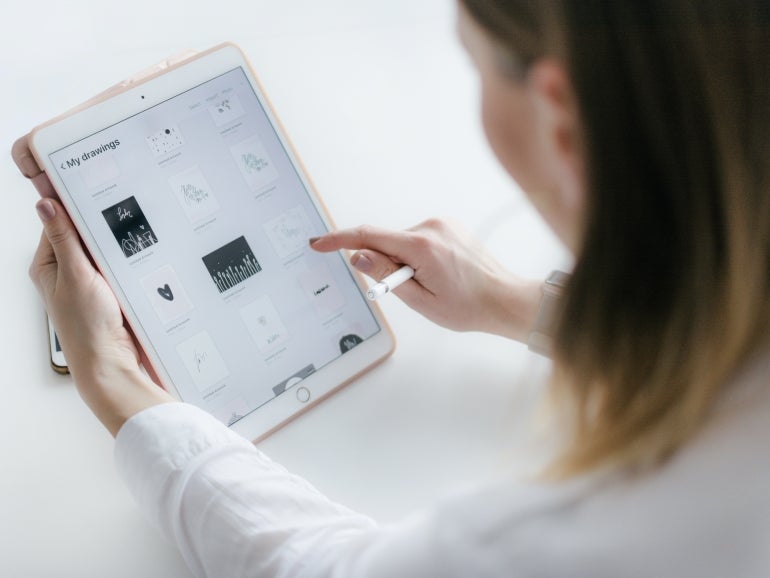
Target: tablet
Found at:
196, 209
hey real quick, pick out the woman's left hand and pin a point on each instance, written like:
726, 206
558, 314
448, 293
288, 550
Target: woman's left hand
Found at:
101, 354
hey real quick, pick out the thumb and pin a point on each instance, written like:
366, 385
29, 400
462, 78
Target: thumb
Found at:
61, 234
378, 266
374, 264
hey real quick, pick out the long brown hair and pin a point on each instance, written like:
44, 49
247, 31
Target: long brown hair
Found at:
671, 288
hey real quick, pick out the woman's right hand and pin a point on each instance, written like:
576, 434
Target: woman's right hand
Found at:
457, 284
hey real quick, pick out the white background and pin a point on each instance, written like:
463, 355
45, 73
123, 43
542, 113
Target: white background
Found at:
382, 105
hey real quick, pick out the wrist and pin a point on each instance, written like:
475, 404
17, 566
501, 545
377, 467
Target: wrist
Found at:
514, 303
116, 389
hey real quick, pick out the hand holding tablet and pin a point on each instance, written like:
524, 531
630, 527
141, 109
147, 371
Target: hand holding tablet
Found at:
197, 211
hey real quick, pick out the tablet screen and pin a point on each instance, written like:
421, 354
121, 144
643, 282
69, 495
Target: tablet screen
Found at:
203, 220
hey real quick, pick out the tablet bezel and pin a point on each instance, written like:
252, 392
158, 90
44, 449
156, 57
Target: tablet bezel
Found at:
135, 96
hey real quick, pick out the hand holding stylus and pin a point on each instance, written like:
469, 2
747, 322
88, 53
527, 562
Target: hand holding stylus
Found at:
455, 282
389, 283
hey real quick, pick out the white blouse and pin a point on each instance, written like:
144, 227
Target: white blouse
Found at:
233, 512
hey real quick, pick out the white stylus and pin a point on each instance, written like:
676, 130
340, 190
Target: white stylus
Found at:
390, 282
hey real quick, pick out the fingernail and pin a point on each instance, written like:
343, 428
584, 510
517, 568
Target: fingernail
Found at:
45, 210
361, 262
312, 240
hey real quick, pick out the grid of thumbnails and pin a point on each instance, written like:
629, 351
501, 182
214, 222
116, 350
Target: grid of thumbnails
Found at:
229, 264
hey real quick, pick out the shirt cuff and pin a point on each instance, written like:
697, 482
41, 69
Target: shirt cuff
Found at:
155, 446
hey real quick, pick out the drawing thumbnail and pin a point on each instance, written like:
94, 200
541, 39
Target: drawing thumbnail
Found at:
130, 227
289, 231
226, 109
165, 140
194, 194
264, 324
254, 163
165, 292
202, 360
231, 264
320, 288
99, 171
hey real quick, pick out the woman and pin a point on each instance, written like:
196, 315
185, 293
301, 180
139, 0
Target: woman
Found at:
641, 133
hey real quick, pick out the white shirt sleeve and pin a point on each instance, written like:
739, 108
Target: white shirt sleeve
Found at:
233, 512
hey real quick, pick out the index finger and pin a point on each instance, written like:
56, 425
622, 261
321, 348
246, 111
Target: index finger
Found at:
22, 156
396, 244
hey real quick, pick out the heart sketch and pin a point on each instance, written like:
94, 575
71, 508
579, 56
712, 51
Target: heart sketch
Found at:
166, 292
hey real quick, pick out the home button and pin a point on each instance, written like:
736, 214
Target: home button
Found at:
303, 394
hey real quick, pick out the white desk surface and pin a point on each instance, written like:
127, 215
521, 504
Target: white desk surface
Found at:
382, 105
